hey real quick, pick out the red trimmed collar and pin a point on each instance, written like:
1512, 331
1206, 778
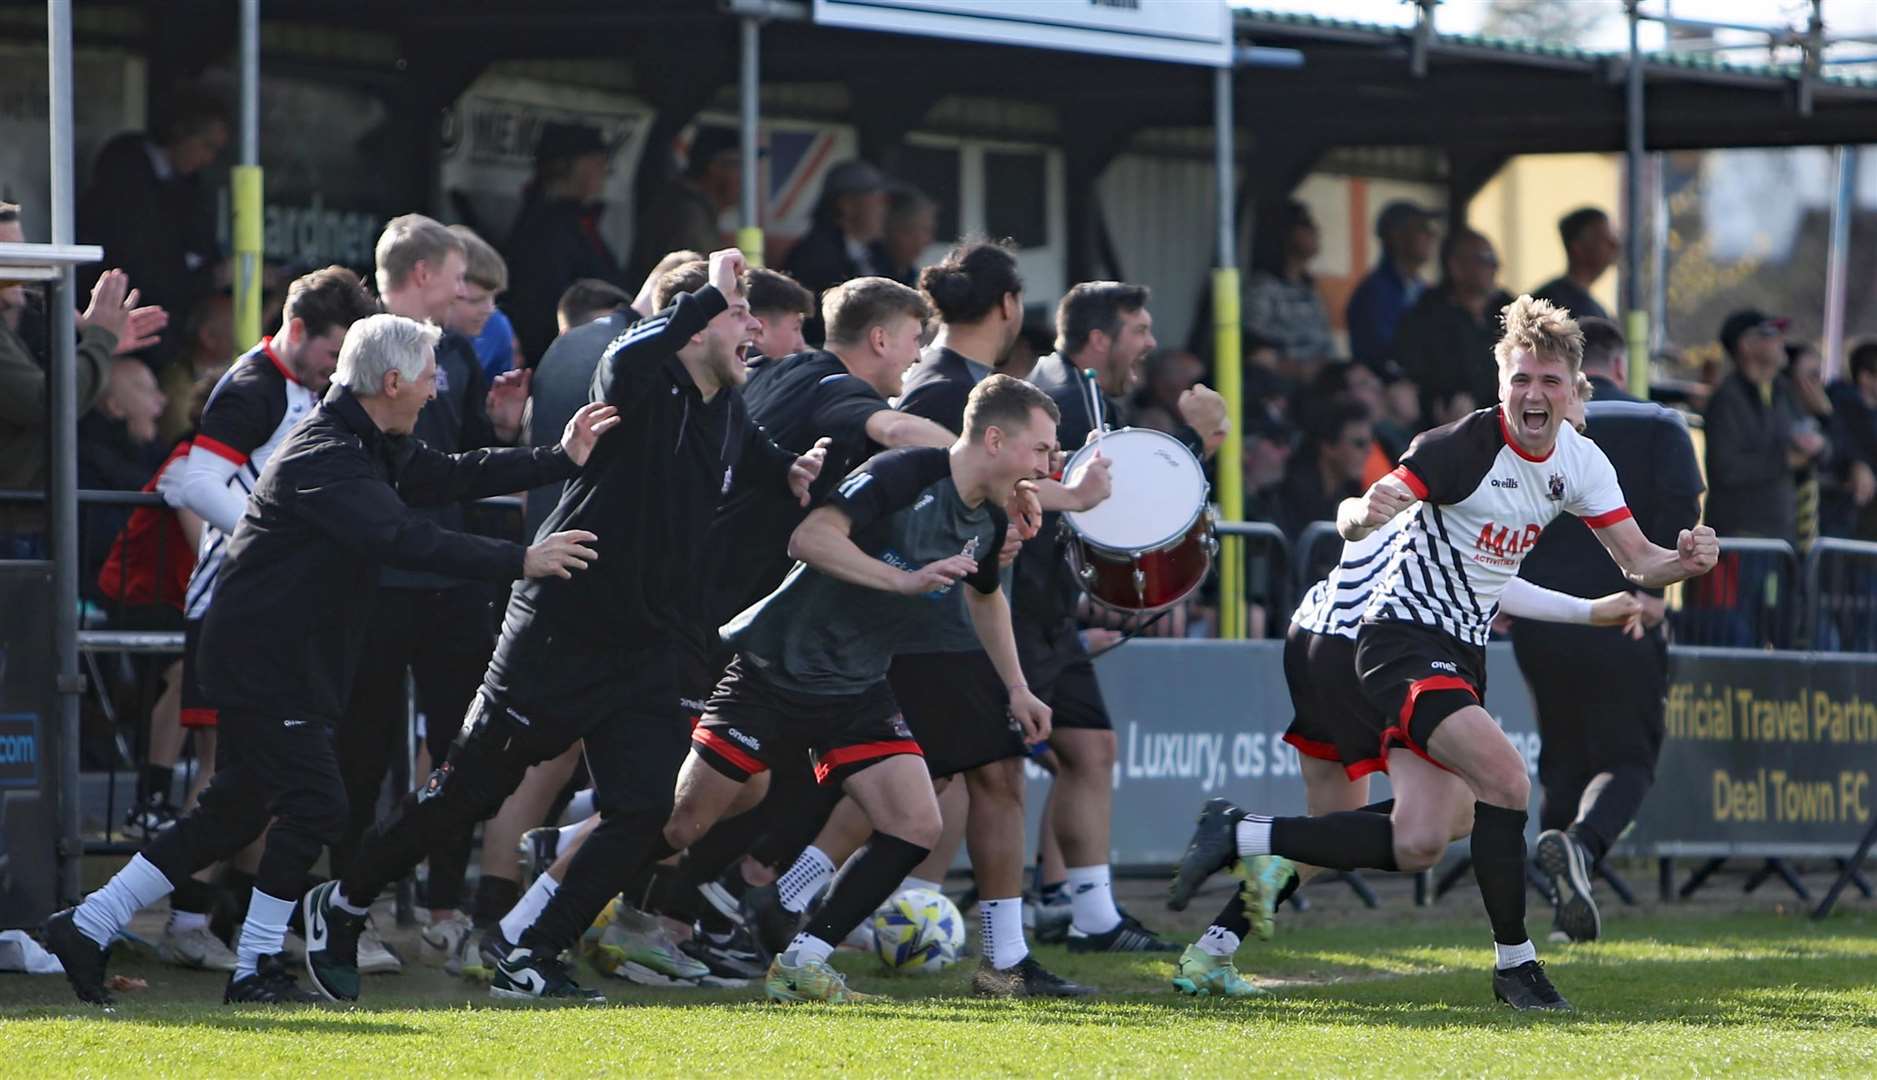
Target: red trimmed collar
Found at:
1505, 432
267, 347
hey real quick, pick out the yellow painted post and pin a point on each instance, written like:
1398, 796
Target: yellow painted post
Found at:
245, 182
1228, 371
749, 240
1637, 329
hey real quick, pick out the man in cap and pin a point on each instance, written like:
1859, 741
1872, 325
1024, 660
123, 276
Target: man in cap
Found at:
556, 238
849, 220
686, 213
1407, 234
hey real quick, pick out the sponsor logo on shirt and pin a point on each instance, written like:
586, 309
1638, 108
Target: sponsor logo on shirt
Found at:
1504, 545
1445, 665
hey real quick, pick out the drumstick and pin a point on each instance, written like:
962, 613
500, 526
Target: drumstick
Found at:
1094, 399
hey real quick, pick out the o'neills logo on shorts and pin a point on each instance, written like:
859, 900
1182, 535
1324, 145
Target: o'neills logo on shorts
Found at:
750, 741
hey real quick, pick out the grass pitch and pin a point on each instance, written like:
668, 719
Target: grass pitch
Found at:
1393, 995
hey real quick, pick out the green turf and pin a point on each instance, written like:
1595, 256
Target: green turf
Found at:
1683, 995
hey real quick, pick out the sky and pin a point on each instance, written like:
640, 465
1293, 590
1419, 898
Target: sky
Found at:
1612, 31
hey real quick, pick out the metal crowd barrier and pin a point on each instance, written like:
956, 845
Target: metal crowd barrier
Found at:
1841, 596
1748, 601
1264, 554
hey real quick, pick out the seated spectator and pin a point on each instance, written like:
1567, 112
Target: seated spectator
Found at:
1386, 293
1165, 375
556, 239
144, 580
1347, 381
1757, 435
1854, 406
474, 315
911, 223
586, 300
1281, 300
1445, 342
781, 305
208, 347
1266, 455
1337, 441
688, 211
849, 221
1590, 249
151, 206
119, 449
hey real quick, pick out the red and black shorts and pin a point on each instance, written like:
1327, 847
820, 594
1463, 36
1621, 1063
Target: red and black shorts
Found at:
1416, 677
1331, 719
196, 711
958, 709
750, 722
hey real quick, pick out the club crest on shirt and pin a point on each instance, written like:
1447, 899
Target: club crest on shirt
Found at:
1556, 491
971, 548
443, 379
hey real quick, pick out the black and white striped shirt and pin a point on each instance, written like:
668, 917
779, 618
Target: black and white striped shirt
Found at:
1484, 503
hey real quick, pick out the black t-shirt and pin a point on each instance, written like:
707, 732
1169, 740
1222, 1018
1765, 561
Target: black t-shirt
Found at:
819, 635
797, 400
936, 387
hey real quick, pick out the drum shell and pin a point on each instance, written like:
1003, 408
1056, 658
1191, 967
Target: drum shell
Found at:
1166, 575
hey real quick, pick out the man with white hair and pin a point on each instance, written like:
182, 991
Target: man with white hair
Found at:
282, 640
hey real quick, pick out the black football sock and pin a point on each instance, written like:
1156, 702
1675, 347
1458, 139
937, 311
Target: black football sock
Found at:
1499, 866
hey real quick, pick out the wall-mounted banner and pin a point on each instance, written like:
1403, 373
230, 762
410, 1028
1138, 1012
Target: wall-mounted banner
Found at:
1180, 31
1766, 754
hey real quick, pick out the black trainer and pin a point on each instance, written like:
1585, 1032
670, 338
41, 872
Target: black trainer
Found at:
83, 959
1214, 847
271, 984
738, 958
332, 935
524, 976
1567, 864
1527, 987
1128, 935
772, 925
1025, 978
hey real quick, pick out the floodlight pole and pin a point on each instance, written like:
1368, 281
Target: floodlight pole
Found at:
749, 233
1636, 318
1227, 351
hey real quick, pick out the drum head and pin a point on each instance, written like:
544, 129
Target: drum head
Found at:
1159, 491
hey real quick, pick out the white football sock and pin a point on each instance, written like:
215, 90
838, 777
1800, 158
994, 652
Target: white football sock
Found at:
807, 948
1254, 837
528, 908
1002, 924
1091, 896
262, 933
1218, 941
1511, 956
803, 882
138, 885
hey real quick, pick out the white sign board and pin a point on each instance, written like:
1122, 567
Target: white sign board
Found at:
1180, 31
